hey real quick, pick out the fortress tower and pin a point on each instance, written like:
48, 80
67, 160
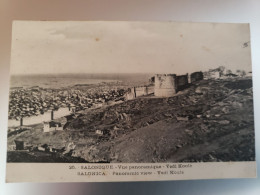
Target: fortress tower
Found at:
164, 85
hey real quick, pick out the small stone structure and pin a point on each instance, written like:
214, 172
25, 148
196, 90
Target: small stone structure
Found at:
102, 132
196, 76
52, 126
19, 145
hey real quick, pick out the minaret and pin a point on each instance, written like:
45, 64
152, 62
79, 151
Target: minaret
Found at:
21, 121
52, 114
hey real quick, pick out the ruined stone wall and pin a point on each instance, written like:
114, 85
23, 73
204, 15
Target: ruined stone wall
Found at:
165, 85
144, 90
150, 89
139, 91
130, 94
196, 76
181, 82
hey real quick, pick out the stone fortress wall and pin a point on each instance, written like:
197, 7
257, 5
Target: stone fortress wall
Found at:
164, 85
134, 92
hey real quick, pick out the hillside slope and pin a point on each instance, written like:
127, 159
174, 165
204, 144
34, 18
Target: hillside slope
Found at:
211, 120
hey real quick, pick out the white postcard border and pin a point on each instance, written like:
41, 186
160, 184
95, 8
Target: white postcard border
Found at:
116, 172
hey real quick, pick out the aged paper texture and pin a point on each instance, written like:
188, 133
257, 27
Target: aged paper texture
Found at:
130, 101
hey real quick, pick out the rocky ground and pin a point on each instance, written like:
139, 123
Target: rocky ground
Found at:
211, 120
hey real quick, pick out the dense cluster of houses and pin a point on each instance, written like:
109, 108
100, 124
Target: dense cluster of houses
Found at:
96, 97
36, 101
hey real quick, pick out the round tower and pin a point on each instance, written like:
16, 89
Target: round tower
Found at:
164, 85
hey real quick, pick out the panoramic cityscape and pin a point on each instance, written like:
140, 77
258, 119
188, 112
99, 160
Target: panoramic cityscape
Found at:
87, 122
130, 92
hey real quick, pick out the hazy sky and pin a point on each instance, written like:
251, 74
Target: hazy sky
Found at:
127, 47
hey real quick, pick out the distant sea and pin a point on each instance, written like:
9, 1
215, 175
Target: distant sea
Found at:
65, 80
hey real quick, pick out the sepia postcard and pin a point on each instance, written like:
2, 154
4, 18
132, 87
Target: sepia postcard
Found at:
98, 101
